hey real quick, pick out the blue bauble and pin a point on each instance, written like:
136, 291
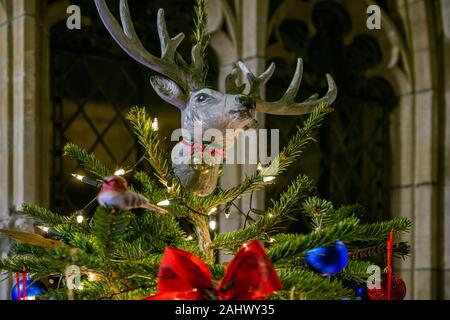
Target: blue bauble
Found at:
328, 260
359, 290
33, 289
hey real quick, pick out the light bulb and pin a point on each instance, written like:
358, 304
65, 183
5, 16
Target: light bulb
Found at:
155, 125
212, 211
168, 202
119, 172
268, 179
189, 238
44, 228
78, 177
80, 218
86, 180
227, 215
271, 240
164, 203
212, 225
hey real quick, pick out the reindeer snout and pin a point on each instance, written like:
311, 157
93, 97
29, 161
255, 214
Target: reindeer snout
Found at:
246, 102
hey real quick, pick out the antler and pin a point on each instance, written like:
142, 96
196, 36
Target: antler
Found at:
187, 77
286, 105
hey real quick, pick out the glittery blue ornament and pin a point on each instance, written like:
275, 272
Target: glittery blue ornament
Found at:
328, 260
33, 289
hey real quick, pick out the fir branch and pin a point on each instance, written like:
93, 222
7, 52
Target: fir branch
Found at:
43, 215
153, 192
109, 227
310, 285
289, 246
88, 161
355, 271
320, 212
165, 230
288, 202
200, 32
217, 271
354, 210
149, 140
37, 267
399, 248
27, 249
378, 232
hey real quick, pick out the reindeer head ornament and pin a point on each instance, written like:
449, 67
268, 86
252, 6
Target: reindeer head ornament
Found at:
182, 86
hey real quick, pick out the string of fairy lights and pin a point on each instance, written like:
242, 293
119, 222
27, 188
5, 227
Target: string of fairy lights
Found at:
212, 213
81, 218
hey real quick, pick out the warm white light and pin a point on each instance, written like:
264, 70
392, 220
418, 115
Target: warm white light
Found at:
260, 167
227, 215
272, 240
270, 215
168, 202
119, 172
268, 179
155, 125
44, 228
81, 287
91, 276
212, 225
212, 211
31, 298
189, 238
164, 203
77, 176
80, 218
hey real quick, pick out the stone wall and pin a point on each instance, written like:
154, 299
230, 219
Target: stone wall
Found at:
24, 108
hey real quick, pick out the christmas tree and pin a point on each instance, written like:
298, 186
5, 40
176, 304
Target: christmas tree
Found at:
118, 252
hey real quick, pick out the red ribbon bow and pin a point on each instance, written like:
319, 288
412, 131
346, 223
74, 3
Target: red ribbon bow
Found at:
249, 276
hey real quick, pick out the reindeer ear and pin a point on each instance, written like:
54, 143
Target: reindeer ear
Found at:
169, 91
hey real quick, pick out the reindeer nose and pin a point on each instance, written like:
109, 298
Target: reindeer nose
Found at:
246, 101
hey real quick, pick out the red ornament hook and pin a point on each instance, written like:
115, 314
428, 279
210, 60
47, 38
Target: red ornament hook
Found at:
389, 263
24, 283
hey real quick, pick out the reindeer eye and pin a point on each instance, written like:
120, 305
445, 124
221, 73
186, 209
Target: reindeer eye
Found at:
201, 97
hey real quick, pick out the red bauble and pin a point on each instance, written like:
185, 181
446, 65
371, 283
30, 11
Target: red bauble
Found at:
398, 290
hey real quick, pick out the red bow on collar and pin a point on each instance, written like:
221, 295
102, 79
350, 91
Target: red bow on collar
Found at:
249, 276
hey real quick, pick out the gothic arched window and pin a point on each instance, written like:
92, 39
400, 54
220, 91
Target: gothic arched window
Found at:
350, 162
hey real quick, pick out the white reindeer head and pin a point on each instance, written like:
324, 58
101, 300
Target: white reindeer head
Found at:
181, 84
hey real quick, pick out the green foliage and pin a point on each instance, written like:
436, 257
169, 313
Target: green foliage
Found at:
277, 213
149, 140
42, 215
291, 247
200, 32
304, 284
109, 228
124, 249
88, 161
